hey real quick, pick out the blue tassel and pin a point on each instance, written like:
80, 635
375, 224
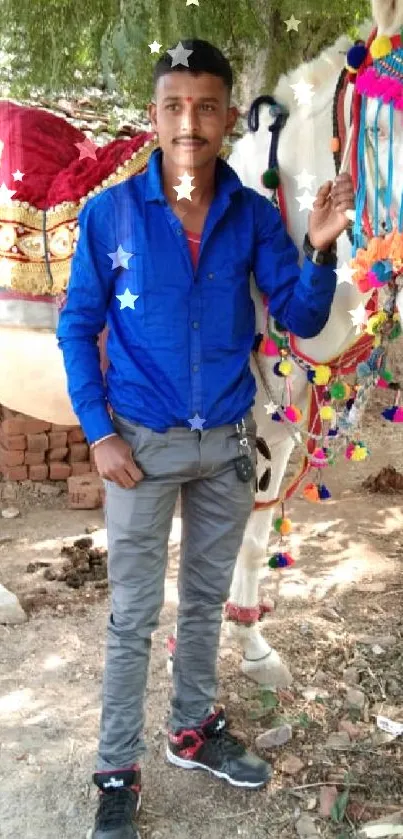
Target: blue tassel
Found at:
389, 413
376, 212
389, 193
276, 417
324, 493
361, 191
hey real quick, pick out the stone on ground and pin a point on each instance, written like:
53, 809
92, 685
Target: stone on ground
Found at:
11, 611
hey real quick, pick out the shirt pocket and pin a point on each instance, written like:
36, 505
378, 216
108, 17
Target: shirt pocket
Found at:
228, 308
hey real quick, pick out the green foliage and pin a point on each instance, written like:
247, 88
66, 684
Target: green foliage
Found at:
338, 810
62, 45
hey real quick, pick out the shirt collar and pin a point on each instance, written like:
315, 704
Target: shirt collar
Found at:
226, 178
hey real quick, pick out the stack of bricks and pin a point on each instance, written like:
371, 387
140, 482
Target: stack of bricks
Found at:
31, 449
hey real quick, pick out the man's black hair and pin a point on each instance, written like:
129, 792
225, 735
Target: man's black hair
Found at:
205, 58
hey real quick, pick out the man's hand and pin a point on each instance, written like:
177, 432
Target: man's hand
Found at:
114, 461
328, 218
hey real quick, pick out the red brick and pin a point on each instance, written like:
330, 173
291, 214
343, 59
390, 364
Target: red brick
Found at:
34, 458
11, 458
62, 427
78, 452
37, 442
13, 426
76, 435
86, 492
34, 426
81, 468
15, 473
39, 472
57, 439
59, 471
16, 442
57, 454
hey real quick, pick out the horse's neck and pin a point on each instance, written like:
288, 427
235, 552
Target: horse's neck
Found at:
305, 144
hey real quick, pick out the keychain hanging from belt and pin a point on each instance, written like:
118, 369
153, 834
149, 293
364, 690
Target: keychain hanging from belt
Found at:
244, 465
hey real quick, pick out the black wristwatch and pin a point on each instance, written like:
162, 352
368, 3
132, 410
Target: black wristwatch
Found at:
328, 257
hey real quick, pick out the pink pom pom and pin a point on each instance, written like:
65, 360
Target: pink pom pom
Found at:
319, 459
382, 383
398, 417
373, 280
269, 347
291, 413
349, 451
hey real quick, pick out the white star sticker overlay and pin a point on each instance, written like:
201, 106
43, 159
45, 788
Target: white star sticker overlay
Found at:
292, 23
305, 201
196, 423
359, 317
120, 258
186, 187
179, 55
87, 149
305, 180
18, 176
192, 3
271, 407
127, 300
303, 92
155, 47
345, 274
6, 194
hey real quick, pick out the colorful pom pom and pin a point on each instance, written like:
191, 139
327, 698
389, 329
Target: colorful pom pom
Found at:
319, 458
271, 179
333, 432
283, 526
293, 413
323, 492
311, 492
381, 46
268, 347
380, 273
363, 370
327, 413
283, 368
375, 322
335, 145
356, 57
356, 451
319, 375
281, 560
394, 414
340, 390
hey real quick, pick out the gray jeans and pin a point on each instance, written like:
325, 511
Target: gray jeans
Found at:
215, 508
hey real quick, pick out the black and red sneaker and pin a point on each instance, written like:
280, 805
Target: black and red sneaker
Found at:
119, 804
212, 747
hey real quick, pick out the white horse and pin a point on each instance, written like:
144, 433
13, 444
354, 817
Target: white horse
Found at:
304, 144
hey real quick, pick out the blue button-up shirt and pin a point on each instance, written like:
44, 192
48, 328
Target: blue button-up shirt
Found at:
179, 338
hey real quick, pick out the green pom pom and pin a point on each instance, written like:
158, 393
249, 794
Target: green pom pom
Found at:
337, 390
271, 179
277, 525
386, 375
396, 331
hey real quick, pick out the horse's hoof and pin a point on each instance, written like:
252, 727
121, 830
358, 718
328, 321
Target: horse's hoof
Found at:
269, 672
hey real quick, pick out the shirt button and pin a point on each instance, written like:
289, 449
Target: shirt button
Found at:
195, 368
210, 276
195, 324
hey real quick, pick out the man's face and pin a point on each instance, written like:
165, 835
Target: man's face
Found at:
191, 115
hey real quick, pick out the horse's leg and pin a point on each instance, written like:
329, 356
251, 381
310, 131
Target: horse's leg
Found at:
260, 661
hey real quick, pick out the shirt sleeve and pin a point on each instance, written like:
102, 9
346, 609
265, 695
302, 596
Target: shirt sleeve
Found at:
299, 298
84, 315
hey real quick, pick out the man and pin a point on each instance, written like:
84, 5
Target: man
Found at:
170, 276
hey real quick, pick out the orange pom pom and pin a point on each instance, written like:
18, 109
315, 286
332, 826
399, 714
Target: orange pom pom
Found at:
335, 144
311, 493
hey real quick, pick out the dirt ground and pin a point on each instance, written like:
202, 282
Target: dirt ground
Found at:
338, 609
